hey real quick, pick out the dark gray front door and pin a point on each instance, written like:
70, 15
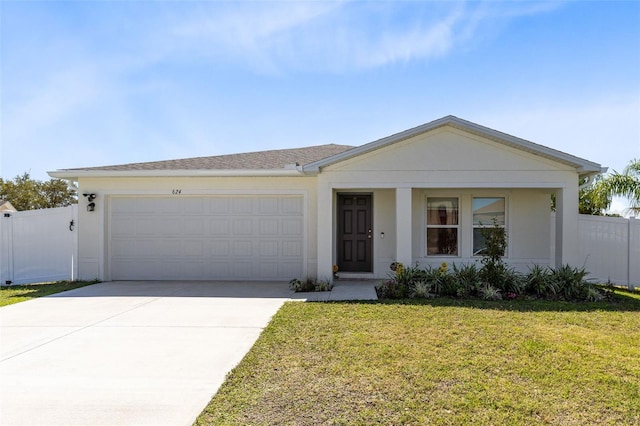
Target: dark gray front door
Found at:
355, 233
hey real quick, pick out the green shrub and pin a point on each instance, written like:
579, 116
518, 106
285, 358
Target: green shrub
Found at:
309, 284
570, 282
391, 289
539, 283
467, 278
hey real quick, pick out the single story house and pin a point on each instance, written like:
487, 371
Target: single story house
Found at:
418, 196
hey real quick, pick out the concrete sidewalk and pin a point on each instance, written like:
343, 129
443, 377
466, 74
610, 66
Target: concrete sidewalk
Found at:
343, 290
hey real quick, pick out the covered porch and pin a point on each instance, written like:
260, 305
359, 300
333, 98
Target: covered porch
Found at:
363, 229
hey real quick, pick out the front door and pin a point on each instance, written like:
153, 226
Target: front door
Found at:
355, 233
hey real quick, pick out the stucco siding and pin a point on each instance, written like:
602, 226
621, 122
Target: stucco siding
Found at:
527, 224
448, 150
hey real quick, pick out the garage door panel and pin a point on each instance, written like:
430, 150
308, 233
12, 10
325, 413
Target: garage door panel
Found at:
242, 269
292, 206
164, 249
220, 249
243, 226
242, 205
291, 226
269, 206
195, 248
206, 237
122, 226
291, 248
269, 248
290, 269
242, 248
268, 227
220, 227
147, 226
169, 227
218, 205
195, 227
171, 269
195, 270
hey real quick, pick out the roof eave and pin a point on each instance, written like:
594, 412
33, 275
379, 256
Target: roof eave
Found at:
74, 175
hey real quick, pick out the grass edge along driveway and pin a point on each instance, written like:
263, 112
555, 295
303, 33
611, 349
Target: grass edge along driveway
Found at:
442, 361
21, 293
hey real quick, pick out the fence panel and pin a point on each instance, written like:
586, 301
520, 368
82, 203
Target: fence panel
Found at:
38, 245
610, 248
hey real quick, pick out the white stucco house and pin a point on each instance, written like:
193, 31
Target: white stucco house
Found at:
417, 196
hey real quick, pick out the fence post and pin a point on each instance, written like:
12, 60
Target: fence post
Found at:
6, 248
633, 268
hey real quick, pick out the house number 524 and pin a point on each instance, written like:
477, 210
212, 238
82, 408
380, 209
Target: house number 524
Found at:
176, 191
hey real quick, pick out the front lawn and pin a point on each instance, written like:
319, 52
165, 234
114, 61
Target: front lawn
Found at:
441, 361
19, 293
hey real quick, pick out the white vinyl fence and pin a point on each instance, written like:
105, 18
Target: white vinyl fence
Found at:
38, 245
610, 249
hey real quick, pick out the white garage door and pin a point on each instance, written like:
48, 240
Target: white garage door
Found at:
206, 238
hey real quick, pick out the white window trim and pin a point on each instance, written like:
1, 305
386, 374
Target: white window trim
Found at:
458, 227
505, 226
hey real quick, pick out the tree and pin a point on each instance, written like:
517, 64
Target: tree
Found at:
625, 184
26, 193
593, 202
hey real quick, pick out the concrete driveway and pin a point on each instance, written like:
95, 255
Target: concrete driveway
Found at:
127, 353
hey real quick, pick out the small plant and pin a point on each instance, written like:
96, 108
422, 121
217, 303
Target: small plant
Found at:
323, 285
309, 284
422, 290
390, 289
594, 294
489, 292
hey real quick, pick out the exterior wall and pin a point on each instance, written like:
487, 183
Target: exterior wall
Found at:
93, 230
451, 158
527, 225
451, 162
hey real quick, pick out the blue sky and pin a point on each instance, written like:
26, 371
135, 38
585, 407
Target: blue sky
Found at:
86, 83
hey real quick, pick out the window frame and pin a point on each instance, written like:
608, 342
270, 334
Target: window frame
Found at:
475, 226
458, 226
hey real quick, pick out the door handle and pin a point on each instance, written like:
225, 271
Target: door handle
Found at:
369, 234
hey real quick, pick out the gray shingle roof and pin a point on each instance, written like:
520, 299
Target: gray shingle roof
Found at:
261, 160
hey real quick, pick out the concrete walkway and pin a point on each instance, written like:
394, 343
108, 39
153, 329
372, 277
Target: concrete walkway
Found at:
342, 291
133, 353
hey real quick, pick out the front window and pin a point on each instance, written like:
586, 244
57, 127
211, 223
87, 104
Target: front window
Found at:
488, 212
442, 226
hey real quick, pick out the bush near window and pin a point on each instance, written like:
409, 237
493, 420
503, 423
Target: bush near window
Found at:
494, 280
468, 281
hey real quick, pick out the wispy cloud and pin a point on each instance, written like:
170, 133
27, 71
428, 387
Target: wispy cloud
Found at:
340, 36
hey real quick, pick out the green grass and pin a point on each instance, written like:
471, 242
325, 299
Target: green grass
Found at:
19, 293
442, 361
